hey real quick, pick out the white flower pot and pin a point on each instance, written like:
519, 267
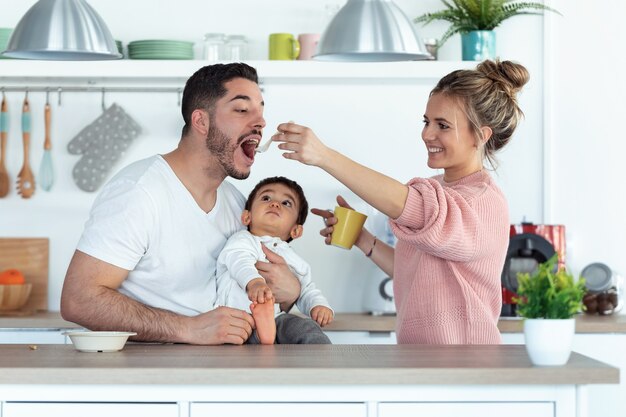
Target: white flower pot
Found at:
549, 341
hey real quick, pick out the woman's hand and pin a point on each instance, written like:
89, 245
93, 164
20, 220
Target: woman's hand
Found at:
302, 143
330, 220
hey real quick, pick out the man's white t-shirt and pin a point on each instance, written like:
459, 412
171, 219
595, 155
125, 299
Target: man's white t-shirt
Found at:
147, 222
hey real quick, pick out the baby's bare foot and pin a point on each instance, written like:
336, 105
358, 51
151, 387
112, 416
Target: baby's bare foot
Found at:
263, 315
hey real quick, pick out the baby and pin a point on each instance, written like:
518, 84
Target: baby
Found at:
274, 215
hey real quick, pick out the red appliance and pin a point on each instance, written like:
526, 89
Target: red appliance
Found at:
529, 245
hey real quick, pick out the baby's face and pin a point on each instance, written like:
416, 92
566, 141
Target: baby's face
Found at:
274, 211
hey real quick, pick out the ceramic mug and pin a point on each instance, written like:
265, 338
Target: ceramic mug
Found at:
348, 227
308, 45
283, 46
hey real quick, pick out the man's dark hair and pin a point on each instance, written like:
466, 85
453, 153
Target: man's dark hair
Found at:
293, 186
206, 86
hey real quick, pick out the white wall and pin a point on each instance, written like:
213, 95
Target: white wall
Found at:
586, 131
378, 125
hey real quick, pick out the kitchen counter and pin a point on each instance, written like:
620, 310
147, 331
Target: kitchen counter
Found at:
172, 380
584, 323
343, 322
140, 363
50, 320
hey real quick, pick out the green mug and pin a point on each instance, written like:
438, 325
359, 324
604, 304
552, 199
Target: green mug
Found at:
284, 47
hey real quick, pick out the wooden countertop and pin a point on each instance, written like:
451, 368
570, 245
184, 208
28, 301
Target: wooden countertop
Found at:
357, 322
294, 364
50, 320
584, 323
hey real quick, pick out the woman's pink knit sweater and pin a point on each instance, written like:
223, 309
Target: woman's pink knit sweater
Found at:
452, 243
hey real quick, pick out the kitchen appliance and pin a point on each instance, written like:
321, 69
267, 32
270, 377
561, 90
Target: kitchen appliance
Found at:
379, 296
529, 245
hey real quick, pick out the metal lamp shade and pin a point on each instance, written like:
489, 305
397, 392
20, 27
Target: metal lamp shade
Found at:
371, 30
64, 30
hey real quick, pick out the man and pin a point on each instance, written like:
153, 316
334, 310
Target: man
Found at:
146, 259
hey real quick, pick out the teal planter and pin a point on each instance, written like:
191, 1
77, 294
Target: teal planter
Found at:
479, 45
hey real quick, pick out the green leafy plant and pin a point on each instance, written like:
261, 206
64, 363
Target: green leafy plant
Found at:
549, 293
469, 15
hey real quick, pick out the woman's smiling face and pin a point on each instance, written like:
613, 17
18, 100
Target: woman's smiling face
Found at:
450, 139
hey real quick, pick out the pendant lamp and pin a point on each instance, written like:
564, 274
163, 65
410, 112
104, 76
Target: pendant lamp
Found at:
371, 30
63, 30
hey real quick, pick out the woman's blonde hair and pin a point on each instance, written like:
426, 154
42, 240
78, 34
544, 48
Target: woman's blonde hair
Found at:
488, 96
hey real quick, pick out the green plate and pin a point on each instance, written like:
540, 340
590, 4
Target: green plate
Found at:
160, 56
161, 48
161, 43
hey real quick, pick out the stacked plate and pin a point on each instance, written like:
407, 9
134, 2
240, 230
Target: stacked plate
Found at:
160, 49
120, 47
5, 35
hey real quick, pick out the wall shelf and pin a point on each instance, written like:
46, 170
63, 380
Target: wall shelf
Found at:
171, 72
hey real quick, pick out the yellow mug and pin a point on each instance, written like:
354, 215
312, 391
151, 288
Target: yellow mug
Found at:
348, 227
284, 47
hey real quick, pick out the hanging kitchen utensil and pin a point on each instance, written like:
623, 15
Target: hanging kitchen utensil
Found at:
46, 171
101, 143
4, 128
26, 178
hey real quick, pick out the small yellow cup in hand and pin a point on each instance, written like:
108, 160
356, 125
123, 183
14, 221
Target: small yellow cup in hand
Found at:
348, 227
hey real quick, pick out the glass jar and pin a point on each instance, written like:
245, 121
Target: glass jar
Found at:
236, 48
605, 289
213, 47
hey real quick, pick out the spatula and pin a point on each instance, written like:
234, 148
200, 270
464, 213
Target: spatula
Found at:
46, 172
26, 179
4, 128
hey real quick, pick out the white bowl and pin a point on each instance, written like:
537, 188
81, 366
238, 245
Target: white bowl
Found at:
87, 341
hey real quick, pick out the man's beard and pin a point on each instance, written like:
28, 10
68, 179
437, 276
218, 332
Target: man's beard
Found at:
219, 145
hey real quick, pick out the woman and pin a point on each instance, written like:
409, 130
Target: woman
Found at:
452, 229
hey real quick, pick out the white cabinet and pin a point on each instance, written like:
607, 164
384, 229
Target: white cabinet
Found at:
24, 409
605, 400
605, 347
42, 337
278, 409
466, 409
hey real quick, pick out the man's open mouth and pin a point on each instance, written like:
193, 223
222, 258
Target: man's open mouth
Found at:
248, 146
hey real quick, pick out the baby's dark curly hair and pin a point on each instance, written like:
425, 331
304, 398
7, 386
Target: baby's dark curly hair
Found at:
292, 185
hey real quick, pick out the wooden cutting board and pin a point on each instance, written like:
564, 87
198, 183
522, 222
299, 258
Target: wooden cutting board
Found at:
29, 255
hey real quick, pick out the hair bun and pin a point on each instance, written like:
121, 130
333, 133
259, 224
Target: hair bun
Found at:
510, 75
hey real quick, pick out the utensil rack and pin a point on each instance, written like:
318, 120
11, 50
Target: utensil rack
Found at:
91, 89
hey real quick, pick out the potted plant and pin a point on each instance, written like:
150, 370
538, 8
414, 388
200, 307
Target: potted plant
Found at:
475, 21
548, 300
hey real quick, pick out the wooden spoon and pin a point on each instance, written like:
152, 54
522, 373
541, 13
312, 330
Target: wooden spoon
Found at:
4, 175
26, 179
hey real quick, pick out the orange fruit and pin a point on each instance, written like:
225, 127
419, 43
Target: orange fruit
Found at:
11, 277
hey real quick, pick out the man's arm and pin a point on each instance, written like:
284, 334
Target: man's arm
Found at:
90, 298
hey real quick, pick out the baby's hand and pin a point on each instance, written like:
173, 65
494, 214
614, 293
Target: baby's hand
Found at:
322, 315
258, 291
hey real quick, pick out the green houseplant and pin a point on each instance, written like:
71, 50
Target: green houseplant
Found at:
548, 293
548, 300
475, 21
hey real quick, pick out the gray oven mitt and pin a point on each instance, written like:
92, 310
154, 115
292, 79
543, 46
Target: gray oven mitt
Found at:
101, 143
